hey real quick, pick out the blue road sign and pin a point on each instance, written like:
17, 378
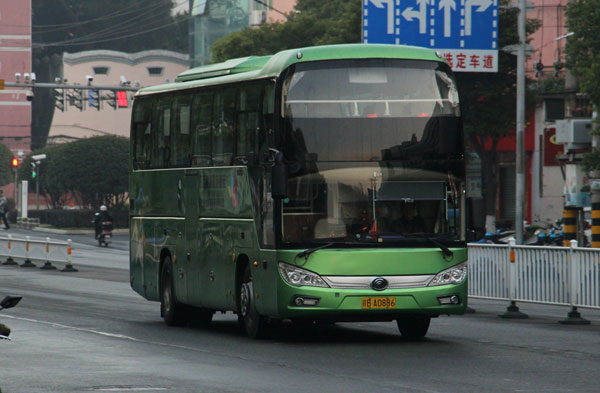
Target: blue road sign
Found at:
455, 27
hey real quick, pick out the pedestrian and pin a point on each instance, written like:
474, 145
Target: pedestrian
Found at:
4, 209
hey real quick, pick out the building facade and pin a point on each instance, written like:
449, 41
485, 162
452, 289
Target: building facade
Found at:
15, 63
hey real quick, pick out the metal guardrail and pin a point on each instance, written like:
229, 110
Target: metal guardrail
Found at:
567, 276
30, 250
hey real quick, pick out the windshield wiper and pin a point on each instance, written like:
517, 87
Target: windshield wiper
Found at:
445, 250
306, 253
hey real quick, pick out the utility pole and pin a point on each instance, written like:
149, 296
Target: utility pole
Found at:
520, 131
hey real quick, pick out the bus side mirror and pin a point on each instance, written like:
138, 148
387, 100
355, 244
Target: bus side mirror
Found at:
279, 174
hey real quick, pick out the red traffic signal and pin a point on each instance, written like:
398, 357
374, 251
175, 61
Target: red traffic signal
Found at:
122, 99
15, 162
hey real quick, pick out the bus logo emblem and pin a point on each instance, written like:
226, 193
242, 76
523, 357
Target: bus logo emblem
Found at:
379, 284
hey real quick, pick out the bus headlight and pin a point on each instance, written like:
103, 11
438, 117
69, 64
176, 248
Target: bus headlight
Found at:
298, 277
455, 275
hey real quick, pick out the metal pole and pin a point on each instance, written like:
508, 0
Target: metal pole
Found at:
37, 187
520, 153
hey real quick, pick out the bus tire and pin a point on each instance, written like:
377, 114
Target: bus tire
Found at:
413, 327
254, 324
171, 312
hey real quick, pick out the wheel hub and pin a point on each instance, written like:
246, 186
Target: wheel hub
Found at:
246, 298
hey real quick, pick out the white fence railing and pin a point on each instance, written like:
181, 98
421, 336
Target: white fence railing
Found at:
549, 275
29, 250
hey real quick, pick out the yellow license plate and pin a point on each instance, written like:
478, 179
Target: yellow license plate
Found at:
378, 302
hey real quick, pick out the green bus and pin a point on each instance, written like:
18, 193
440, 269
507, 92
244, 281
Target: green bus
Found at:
315, 185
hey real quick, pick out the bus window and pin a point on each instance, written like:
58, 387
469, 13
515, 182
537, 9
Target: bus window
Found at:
248, 123
223, 120
202, 129
180, 129
161, 134
141, 132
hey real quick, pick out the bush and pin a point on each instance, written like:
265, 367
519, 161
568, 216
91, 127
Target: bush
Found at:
61, 218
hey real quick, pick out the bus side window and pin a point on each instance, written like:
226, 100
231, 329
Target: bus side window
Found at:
248, 123
180, 129
161, 134
202, 105
223, 120
141, 132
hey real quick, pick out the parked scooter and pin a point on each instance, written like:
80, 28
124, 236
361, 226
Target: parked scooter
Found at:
7, 302
105, 236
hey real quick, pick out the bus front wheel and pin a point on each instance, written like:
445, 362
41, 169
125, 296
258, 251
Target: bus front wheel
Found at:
253, 323
413, 327
171, 312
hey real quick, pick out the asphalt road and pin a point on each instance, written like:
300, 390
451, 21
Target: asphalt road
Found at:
89, 332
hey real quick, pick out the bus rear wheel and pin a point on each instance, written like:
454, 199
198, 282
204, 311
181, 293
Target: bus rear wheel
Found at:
171, 312
413, 327
254, 324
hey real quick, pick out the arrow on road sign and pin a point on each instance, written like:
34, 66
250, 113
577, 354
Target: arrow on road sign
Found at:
447, 5
421, 15
482, 4
390, 12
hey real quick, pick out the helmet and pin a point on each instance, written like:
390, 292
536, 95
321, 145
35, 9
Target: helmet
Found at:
103, 208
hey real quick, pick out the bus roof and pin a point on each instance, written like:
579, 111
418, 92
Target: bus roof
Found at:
259, 67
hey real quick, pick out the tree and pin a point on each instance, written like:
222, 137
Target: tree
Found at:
95, 170
488, 105
316, 22
583, 58
6, 171
77, 25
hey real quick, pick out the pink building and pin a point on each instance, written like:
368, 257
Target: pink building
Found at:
15, 57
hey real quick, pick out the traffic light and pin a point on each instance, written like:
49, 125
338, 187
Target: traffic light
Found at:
558, 66
15, 163
76, 98
59, 99
94, 99
122, 99
111, 98
33, 170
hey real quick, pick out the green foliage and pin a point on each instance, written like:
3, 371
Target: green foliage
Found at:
583, 58
583, 48
591, 160
95, 170
488, 100
316, 22
6, 171
549, 85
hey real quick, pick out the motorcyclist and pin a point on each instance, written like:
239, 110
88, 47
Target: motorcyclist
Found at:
102, 216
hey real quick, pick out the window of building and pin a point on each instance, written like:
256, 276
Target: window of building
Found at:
555, 109
155, 71
101, 70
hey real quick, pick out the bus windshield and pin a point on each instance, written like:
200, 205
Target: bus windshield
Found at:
374, 152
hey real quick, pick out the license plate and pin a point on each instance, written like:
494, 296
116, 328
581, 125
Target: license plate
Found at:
378, 302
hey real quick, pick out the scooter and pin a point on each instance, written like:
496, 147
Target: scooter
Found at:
7, 302
105, 233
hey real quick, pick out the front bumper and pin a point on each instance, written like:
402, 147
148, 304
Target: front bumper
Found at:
347, 304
